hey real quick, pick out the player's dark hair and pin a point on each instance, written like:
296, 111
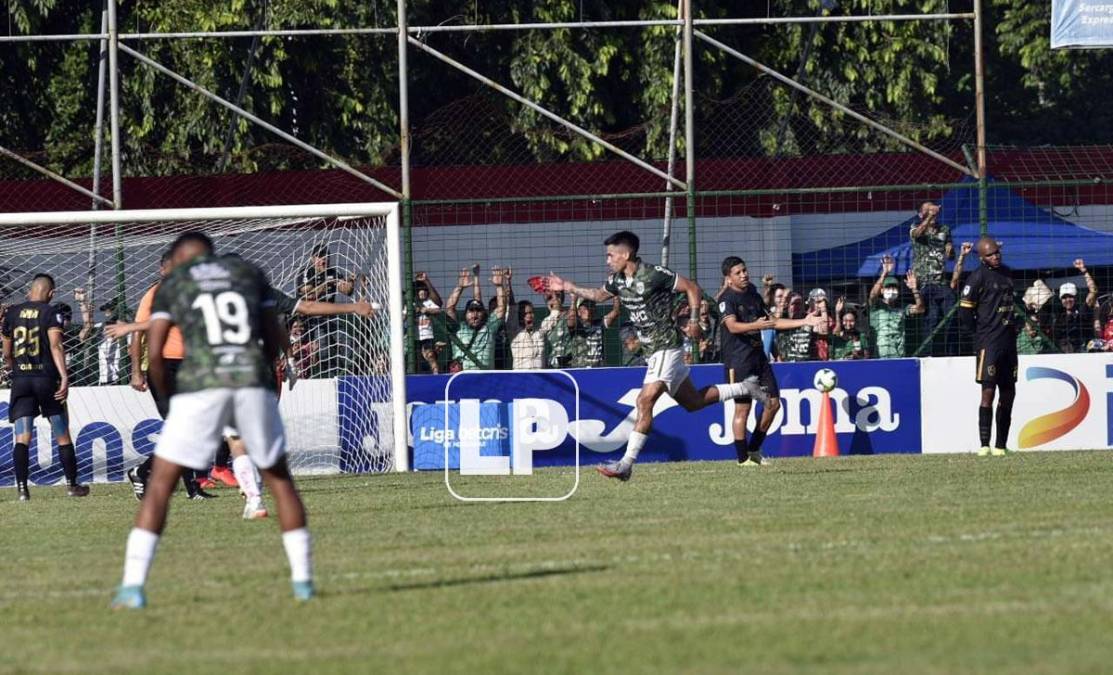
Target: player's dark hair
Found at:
46, 277
730, 261
192, 237
624, 238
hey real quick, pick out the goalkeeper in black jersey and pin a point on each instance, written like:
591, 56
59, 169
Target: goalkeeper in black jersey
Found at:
988, 309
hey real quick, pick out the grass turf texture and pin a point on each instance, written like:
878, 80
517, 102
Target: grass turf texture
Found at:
864, 564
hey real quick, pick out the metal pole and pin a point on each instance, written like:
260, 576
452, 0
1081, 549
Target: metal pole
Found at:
834, 104
244, 79
343, 166
674, 114
690, 143
543, 111
114, 103
52, 175
979, 112
407, 196
98, 152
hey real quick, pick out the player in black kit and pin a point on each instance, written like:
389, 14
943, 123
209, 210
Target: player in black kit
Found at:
745, 315
988, 309
35, 356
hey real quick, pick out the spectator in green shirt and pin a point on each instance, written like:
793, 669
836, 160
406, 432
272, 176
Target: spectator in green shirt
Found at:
478, 332
887, 315
847, 342
1031, 340
931, 248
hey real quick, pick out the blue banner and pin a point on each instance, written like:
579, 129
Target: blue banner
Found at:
877, 409
1081, 23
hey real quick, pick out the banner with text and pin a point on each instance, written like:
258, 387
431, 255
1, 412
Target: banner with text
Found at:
877, 409
1081, 23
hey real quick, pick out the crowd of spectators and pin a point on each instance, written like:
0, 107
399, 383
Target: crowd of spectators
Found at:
898, 315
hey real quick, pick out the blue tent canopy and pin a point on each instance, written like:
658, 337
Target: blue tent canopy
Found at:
1031, 238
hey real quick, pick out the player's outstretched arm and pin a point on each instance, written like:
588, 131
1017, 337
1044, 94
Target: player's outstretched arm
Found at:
317, 308
555, 283
120, 330
58, 353
736, 327
813, 320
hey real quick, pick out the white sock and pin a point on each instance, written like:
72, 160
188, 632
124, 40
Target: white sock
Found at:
244, 469
298, 545
730, 391
138, 556
633, 447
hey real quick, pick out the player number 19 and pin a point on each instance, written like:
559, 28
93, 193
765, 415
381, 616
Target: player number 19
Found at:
226, 319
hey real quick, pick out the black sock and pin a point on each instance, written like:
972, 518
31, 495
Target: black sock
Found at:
21, 459
144, 469
756, 439
69, 462
223, 455
985, 424
742, 448
1004, 417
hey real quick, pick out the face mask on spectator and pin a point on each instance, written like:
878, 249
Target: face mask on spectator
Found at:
890, 294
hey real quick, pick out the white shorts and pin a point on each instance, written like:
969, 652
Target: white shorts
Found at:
667, 366
196, 422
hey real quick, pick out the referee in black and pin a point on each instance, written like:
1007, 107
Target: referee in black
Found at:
988, 309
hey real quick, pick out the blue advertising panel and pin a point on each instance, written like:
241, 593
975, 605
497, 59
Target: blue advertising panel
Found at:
1081, 23
877, 410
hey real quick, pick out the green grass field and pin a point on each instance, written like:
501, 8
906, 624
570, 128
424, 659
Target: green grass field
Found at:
870, 564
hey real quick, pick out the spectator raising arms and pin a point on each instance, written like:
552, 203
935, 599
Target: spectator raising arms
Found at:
1072, 326
887, 316
847, 342
428, 304
931, 248
474, 346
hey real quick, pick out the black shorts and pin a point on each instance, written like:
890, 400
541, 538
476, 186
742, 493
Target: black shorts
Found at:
33, 396
162, 398
996, 363
738, 371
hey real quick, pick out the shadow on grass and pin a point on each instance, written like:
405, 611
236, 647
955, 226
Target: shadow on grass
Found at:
499, 577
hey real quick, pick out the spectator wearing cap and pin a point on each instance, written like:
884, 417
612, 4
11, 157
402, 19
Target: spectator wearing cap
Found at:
587, 333
475, 337
887, 316
633, 354
81, 358
1072, 324
931, 248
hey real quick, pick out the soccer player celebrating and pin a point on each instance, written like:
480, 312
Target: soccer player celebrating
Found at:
231, 341
646, 291
988, 309
35, 356
745, 316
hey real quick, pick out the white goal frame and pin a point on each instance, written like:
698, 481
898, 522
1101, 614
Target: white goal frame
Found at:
394, 267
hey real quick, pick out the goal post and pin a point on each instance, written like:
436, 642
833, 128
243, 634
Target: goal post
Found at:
345, 413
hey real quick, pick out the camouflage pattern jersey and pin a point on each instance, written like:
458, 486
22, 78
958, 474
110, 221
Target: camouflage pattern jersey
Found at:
218, 304
647, 296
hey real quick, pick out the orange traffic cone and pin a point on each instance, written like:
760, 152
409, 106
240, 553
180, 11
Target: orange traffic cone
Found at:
826, 443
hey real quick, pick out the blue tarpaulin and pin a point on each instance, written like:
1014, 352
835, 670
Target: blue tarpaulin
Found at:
1031, 238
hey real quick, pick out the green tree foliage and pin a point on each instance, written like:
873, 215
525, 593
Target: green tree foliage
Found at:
341, 93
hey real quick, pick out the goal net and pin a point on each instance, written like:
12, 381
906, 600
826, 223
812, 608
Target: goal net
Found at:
343, 413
